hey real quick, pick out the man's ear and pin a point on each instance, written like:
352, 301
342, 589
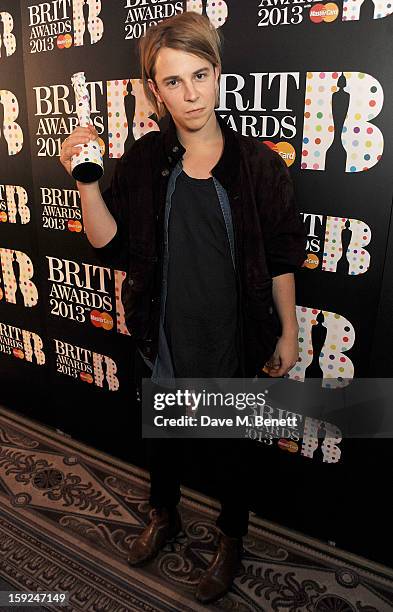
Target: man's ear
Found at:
153, 88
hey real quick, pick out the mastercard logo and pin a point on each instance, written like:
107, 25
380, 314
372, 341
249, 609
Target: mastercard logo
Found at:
311, 262
101, 319
288, 445
285, 149
18, 353
74, 226
324, 12
64, 41
3, 216
86, 377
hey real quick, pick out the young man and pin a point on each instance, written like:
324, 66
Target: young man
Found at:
204, 221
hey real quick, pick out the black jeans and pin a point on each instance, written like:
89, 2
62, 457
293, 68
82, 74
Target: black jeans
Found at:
220, 465
222, 471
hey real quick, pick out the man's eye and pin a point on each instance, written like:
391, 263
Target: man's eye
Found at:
171, 82
202, 74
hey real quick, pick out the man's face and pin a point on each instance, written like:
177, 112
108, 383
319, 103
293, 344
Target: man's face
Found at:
185, 83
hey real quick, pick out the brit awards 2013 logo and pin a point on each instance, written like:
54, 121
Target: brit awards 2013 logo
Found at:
86, 293
143, 14
340, 107
21, 344
61, 209
7, 36
61, 24
119, 107
86, 365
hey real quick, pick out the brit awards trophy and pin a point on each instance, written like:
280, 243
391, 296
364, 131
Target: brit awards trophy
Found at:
87, 165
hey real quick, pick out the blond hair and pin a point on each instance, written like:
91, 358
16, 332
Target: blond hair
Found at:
189, 32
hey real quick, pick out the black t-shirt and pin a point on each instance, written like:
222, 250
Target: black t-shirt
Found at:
201, 305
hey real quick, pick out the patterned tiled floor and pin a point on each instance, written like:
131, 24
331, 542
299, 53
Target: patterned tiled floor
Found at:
68, 514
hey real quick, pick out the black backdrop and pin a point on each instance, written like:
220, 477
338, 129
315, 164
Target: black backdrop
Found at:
313, 80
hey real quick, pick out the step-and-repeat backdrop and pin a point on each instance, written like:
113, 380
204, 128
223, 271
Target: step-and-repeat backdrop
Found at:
311, 79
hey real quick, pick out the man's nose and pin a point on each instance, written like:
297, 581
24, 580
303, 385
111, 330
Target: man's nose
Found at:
190, 92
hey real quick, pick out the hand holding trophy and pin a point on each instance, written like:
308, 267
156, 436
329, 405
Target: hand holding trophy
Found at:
86, 165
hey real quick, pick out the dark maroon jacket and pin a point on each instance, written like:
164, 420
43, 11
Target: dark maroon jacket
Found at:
270, 237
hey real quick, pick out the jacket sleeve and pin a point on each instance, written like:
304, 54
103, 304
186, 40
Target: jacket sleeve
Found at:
284, 232
117, 198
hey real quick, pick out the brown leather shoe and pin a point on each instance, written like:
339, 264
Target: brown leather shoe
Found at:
154, 537
218, 577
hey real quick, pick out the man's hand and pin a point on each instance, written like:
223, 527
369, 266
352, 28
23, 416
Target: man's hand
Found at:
74, 143
287, 349
285, 355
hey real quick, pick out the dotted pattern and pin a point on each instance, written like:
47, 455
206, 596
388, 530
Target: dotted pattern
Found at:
91, 151
29, 338
362, 141
357, 257
352, 9
111, 369
122, 328
216, 10
26, 271
22, 208
13, 134
333, 361
331, 452
117, 119
95, 26
142, 122
9, 40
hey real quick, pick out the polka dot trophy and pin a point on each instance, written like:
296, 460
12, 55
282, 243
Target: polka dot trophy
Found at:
86, 165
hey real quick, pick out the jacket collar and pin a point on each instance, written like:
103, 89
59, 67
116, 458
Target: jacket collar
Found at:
227, 168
